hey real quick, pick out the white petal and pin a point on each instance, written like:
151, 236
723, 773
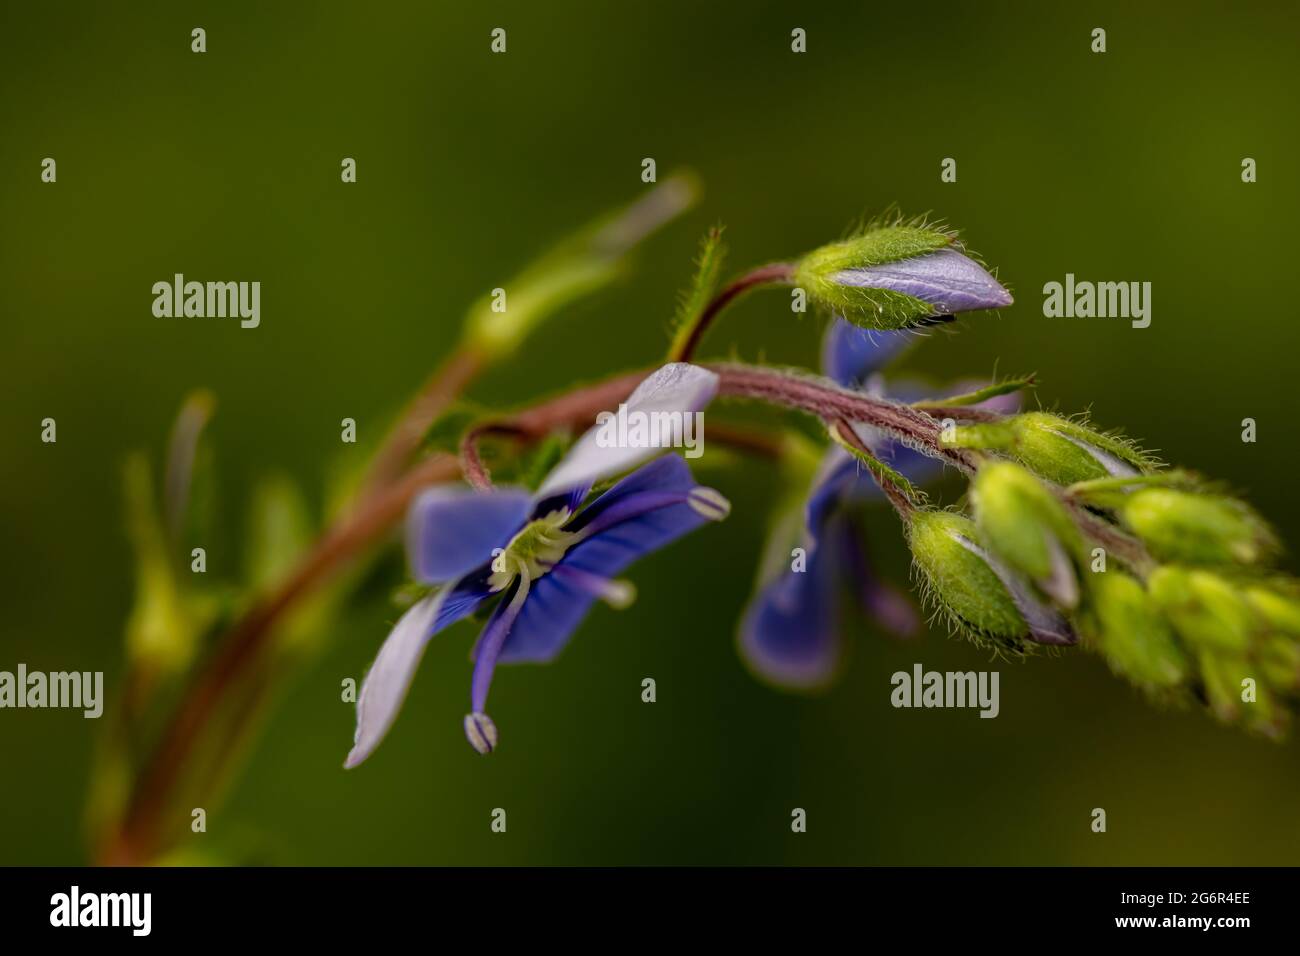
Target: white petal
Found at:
390, 676
678, 387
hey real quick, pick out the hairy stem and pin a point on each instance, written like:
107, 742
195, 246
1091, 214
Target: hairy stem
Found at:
778, 273
141, 835
829, 402
896, 496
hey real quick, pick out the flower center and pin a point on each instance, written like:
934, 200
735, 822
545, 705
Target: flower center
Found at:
536, 549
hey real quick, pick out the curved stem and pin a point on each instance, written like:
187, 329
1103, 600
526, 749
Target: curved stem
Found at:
140, 837
778, 273
471, 462
142, 829
438, 391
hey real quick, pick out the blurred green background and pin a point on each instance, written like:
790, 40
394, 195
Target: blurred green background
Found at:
1122, 166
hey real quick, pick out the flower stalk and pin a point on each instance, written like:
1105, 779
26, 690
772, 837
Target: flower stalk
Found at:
1188, 607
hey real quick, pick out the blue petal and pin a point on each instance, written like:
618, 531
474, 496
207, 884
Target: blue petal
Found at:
880, 601
553, 611
568, 501
947, 280
389, 678
451, 529
667, 474
790, 634
642, 513
837, 481
851, 354
668, 395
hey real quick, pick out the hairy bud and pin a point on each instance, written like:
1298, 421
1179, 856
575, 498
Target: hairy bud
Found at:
1197, 528
980, 595
1055, 448
1205, 609
1026, 526
1128, 630
896, 276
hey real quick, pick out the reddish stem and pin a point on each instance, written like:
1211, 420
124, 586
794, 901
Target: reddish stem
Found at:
778, 273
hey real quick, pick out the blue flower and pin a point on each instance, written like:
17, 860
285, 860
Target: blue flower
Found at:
791, 633
546, 557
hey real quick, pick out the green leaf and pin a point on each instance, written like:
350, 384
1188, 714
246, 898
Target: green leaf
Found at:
585, 262
188, 486
160, 636
980, 395
708, 267
280, 530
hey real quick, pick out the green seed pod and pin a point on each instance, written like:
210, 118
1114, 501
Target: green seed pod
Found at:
1196, 529
963, 583
1065, 452
1130, 633
1206, 610
1024, 524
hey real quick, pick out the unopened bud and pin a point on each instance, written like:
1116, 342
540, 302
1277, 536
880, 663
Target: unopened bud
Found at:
978, 592
1280, 612
1222, 675
1056, 448
1131, 634
1024, 524
1205, 610
1196, 528
893, 277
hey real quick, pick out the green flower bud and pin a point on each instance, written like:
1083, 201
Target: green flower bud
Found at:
979, 594
1278, 611
1128, 630
1236, 693
896, 276
1055, 448
1279, 653
1222, 675
1065, 452
1279, 660
1026, 526
1206, 610
1196, 529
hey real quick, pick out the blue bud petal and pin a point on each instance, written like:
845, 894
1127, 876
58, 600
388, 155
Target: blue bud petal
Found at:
946, 280
851, 354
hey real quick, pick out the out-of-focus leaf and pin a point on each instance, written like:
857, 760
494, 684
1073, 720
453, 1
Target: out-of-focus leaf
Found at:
160, 636
188, 482
584, 263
